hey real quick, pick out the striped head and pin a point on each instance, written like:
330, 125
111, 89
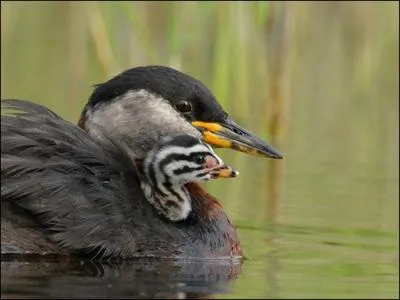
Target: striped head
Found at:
171, 164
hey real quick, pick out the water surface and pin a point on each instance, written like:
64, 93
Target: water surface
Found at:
322, 222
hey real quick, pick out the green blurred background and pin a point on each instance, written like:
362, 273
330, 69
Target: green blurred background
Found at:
318, 80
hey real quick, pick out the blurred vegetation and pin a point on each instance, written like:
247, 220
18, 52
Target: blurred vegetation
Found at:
319, 80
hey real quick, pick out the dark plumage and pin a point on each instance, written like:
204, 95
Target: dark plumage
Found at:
86, 198
71, 189
166, 82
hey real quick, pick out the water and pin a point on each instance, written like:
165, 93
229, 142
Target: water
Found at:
281, 262
295, 262
321, 223
135, 279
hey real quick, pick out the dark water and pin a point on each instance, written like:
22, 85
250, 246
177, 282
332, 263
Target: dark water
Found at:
49, 278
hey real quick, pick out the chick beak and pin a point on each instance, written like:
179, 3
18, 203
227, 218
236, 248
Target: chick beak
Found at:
224, 172
218, 168
228, 134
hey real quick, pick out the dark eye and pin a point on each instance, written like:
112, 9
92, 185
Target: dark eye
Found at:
184, 106
198, 159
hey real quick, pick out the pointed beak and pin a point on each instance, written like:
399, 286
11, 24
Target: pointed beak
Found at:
228, 134
224, 172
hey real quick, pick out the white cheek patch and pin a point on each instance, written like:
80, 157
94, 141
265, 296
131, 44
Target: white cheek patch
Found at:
126, 117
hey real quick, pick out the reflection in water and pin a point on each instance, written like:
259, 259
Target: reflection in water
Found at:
174, 279
323, 222
272, 263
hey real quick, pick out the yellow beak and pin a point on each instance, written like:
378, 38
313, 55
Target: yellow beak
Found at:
228, 134
224, 172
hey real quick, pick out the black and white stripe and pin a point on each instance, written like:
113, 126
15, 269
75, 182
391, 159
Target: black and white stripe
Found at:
168, 167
